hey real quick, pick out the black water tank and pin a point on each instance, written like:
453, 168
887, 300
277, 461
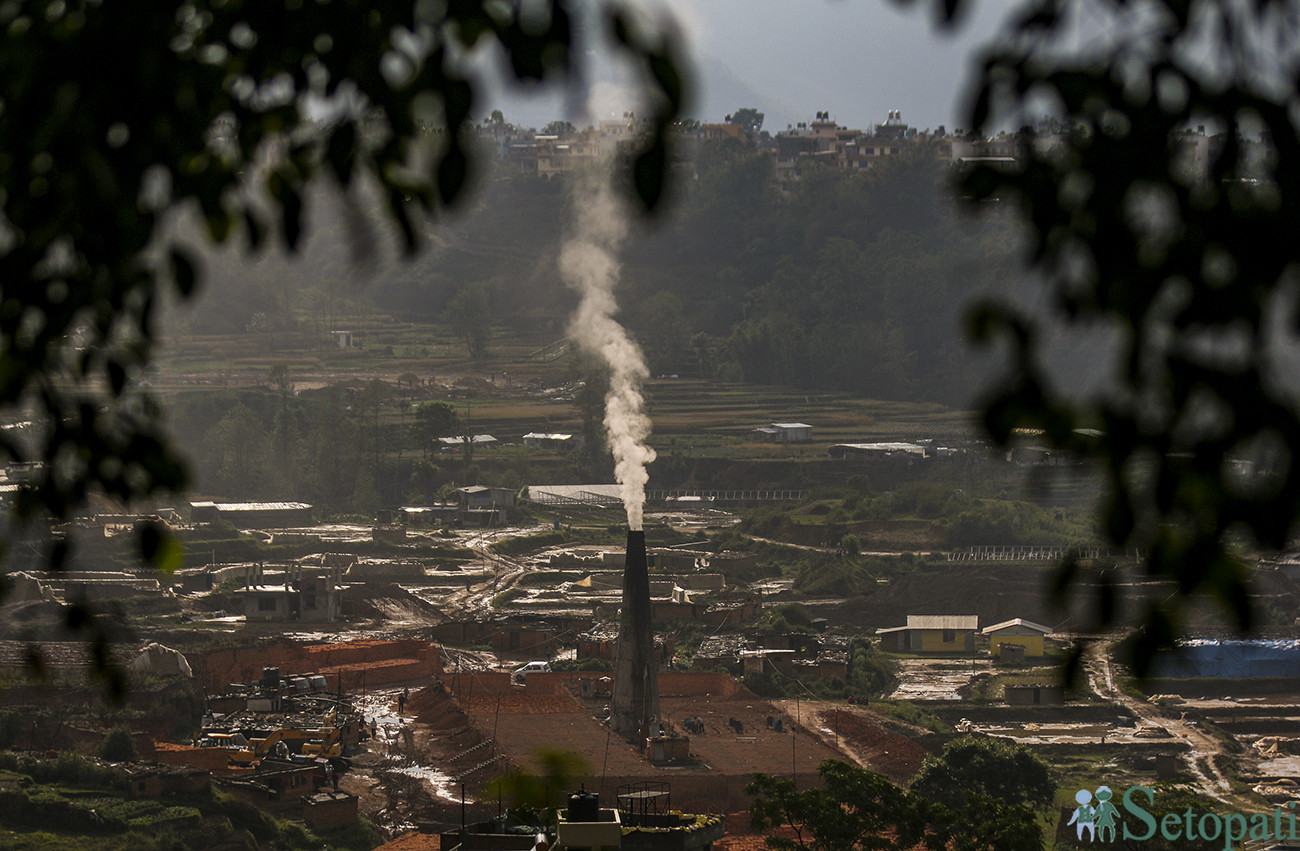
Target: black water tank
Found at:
584, 806
270, 678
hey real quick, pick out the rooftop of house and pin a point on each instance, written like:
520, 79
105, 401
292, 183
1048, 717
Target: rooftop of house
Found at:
997, 627
956, 622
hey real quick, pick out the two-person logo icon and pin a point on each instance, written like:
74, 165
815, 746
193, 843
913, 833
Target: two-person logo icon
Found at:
1098, 819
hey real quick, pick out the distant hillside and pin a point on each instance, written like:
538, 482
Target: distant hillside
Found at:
853, 282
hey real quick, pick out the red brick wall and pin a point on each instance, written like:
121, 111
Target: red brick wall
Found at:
216, 760
390, 662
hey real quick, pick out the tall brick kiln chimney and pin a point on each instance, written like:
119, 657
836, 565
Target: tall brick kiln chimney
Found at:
636, 681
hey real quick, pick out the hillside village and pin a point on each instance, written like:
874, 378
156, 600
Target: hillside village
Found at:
560, 148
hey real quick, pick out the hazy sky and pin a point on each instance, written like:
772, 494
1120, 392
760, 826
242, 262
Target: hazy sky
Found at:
857, 59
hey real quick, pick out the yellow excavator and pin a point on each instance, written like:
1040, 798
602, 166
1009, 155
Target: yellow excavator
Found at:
325, 742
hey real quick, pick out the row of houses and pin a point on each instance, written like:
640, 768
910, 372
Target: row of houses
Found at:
562, 149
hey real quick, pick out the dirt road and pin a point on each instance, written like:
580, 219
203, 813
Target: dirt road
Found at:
501, 573
860, 735
1204, 749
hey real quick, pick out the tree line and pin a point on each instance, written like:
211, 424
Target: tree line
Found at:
841, 281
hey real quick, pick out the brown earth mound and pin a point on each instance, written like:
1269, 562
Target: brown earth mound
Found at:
894, 756
437, 709
390, 602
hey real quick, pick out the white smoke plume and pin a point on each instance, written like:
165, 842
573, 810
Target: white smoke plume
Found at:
589, 263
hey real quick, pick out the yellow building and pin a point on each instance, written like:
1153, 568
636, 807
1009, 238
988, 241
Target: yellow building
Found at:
931, 634
1016, 632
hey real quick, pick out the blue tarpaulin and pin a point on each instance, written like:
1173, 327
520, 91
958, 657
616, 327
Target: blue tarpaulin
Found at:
1230, 659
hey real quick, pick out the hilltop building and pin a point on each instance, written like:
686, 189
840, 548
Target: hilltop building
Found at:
823, 140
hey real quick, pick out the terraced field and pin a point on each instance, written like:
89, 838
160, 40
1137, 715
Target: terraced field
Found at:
521, 388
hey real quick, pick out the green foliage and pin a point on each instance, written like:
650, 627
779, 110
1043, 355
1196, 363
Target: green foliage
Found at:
539, 793
910, 713
10, 728
74, 769
832, 292
928, 499
687, 637
247, 816
832, 576
767, 685
92, 813
980, 765
520, 544
507, 597
785, 617
858, 810
278, 377
470, 312
146, 813
1005, 521
871, 672
729, 539
67, 768
434, 420
118, 746
361, 835
763, 520
1185, 259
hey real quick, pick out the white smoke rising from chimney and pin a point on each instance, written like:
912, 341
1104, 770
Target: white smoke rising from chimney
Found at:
589, 263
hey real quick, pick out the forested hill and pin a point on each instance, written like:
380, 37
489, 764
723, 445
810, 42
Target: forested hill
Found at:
852, 282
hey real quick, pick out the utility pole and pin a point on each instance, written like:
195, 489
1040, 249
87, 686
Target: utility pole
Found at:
469, 436
794, 733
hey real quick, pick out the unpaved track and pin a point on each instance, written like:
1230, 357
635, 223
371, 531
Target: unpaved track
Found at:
503, 572
1204, 748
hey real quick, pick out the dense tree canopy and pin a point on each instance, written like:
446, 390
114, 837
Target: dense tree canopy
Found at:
1170, 241
858, 810
982, 765
851, 282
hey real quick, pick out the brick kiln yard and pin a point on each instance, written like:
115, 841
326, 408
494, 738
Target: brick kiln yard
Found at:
548, 712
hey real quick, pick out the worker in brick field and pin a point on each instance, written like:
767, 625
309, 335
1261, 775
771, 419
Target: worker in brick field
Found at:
401, 700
